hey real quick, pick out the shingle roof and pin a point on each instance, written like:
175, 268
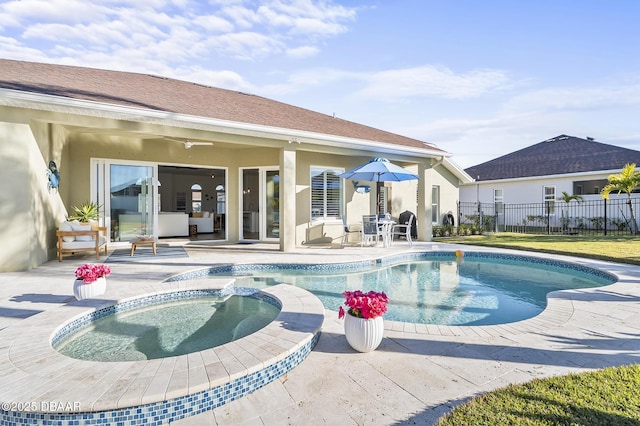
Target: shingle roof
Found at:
560, 155
165, 94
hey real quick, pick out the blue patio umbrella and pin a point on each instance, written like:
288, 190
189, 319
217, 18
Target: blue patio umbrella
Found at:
379, 170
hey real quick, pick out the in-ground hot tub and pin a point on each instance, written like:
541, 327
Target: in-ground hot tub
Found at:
67, 391
166, 325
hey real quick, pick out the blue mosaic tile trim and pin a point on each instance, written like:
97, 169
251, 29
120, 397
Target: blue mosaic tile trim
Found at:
245, 269
248, 269
156, 299
560, 265
168, 411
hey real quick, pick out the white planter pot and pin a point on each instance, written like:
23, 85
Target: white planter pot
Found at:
84, 291
364, 335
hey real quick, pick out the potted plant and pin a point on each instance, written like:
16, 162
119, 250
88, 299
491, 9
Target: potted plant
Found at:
363, 324
86, 212
91, 280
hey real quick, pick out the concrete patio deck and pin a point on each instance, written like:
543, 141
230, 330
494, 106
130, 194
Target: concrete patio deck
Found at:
416, 375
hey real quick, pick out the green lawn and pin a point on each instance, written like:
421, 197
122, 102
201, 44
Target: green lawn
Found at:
614, 249
605, 397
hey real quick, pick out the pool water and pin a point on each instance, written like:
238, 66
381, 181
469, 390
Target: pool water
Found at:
169, 329
448, 291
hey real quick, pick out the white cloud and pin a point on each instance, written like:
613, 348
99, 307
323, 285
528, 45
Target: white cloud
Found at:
71, 11
177, 30
302, 52
13, 49
241, 17
213, 23
245, 45
228, 79
322, 76
577, 98
306, 17
434, 81
404, 84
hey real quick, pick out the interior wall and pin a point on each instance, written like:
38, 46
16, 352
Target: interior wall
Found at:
173, 182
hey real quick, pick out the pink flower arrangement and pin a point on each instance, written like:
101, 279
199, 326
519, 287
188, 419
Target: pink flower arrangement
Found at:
364, 305
90, 272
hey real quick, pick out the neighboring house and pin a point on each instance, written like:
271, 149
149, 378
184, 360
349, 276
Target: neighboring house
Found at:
151, 150
540, 173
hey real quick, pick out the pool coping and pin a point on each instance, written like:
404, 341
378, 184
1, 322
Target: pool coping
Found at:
39, 380
559, 307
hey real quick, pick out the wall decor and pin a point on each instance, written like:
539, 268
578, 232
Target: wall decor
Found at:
54, 175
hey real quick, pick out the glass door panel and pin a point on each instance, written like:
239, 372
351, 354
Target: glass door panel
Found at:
131, 201
272, 203
250, 204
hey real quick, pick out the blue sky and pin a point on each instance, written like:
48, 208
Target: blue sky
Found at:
479, 79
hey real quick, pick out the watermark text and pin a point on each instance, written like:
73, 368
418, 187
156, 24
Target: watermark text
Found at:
41, 406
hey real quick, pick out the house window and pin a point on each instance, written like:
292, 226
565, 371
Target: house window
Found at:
326, 193
181, 201
383, 199
582, 187
435, 203
196, 198
221, 200
549, 199
498, 201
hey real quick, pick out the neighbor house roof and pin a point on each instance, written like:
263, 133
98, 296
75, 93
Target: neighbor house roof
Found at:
182, 97
560, 155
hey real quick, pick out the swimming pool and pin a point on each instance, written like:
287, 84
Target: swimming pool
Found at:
431, 287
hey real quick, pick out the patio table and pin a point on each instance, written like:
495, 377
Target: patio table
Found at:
143, 242
385, 227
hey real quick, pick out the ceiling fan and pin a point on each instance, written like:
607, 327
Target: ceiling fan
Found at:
189, 143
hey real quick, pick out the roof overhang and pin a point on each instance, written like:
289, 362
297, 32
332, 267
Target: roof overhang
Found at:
456, 170
587, 174
59, 104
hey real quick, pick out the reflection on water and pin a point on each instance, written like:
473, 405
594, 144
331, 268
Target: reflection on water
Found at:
450, 292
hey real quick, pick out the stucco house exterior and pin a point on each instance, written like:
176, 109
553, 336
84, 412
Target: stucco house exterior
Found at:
152, 151
540, 173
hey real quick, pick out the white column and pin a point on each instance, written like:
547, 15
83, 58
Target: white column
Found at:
287, 199
425, 226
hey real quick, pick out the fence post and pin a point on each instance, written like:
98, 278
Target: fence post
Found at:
605, 216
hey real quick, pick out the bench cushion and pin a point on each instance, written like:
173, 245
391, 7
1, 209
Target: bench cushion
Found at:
70, 245
77, 226
66, 227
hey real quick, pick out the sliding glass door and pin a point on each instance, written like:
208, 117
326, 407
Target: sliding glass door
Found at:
272, 204
260, 204
128, 194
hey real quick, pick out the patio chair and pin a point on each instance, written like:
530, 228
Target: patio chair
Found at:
370, 229
347, 231
404, 230
75, 237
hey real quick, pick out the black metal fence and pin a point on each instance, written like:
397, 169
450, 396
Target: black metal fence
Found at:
589, 217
